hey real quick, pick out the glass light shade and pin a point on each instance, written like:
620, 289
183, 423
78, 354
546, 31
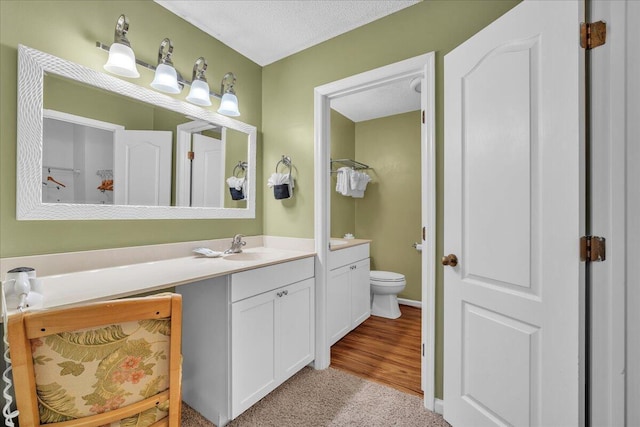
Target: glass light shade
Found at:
166, 79
122, 61
199, 93
229, 105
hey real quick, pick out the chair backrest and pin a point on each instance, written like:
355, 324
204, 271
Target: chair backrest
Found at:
106, 363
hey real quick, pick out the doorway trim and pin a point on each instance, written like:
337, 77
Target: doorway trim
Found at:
419, 66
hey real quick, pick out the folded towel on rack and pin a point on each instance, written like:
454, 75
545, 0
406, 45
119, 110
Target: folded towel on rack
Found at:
359, 181
343, 181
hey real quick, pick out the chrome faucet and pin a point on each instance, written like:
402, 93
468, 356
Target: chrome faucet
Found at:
236, 245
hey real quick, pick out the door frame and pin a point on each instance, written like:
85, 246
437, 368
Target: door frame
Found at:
419, 66
611, 210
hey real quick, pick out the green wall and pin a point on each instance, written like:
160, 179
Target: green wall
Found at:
343, 146
389, 213
287, 101
69, 30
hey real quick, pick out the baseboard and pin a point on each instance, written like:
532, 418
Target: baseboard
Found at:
438, 407
410, 302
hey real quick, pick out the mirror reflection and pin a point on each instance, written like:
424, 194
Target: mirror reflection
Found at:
100, 147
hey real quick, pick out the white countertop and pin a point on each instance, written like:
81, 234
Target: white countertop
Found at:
346, 243
126, 280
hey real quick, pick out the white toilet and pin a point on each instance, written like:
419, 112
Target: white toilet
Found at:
385, 287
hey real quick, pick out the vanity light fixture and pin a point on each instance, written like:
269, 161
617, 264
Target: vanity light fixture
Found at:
229, 101
122, 60
166, 78
199, 93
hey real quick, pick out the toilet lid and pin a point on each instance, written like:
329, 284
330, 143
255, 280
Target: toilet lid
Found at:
386, 276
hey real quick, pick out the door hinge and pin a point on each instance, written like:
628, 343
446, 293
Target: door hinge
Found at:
592, 248
191, 155
422, 116
593, 34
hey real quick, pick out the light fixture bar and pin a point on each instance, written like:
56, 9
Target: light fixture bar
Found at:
181, 80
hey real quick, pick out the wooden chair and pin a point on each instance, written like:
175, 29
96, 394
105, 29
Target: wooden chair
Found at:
103, 364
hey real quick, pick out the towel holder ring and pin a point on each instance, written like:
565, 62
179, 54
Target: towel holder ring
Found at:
242, 166
286, 161
284, 191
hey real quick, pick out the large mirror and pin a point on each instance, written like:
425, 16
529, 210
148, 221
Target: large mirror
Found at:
91, 146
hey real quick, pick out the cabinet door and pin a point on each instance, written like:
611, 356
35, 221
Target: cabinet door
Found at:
360, 292
295, 327
253, 369
338, 304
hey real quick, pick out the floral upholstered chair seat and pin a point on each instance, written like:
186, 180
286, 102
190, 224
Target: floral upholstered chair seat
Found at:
92, 371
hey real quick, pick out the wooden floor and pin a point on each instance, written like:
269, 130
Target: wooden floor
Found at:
384, 350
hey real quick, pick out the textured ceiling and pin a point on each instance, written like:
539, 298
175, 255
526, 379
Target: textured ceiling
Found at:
393, 98
268, 30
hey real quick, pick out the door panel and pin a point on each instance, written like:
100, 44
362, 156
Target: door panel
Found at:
339, 304
252, 350
514, 213
499, 149
296, 324
142, 168
207, 182
360, 293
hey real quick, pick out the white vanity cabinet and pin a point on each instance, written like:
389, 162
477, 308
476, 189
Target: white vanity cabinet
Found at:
348, 290
271, 339
244, 335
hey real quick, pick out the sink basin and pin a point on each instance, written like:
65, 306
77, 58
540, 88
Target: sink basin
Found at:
337, 242
249, 256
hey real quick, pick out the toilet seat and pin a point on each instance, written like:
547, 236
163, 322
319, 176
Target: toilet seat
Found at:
386, 276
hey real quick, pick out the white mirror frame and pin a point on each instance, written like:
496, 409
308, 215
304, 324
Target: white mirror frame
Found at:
32, 66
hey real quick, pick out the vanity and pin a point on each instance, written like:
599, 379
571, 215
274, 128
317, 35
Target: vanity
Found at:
244, 334
248, 318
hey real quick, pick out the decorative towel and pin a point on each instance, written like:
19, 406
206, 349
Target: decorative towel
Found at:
282, 184
279, 179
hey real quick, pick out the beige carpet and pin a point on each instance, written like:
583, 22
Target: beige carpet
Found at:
330, 398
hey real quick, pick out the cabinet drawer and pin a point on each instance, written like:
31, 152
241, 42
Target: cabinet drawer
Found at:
259, 280
348, 256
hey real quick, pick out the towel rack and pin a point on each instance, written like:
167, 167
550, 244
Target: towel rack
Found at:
242, 166
286, 161
349, 163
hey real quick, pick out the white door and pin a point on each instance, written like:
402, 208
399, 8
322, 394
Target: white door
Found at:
208, 174
514, 210
142, 167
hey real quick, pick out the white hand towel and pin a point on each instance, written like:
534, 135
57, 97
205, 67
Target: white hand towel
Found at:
360, 184
343, 184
